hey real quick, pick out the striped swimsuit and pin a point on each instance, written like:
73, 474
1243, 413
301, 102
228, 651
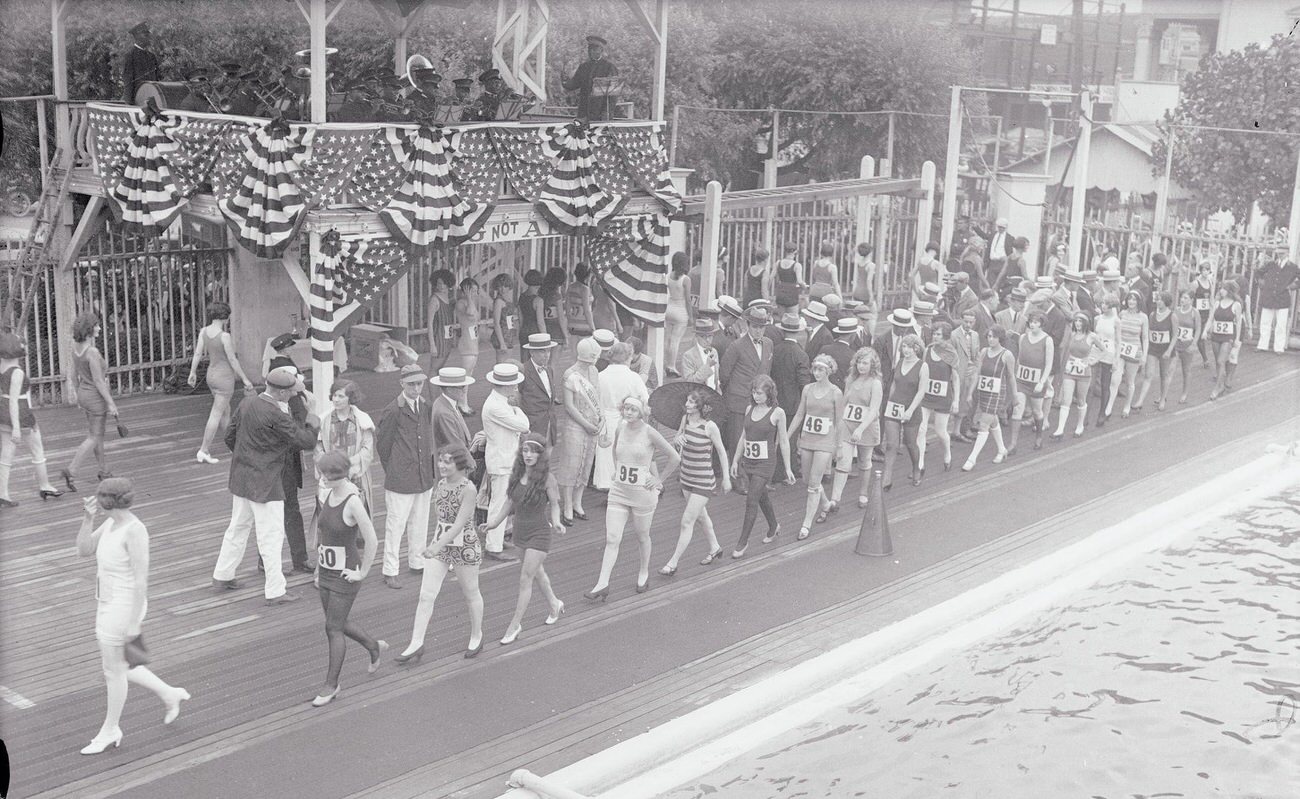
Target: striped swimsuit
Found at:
696, 473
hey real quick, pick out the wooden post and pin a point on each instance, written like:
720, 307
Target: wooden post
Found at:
862, 215
59, 61
924, 211
660, 59
42, 144
770, 169
672, 137
882, 236
1078, 200
319, 67
712, 237
950, 176
889, 140
1160, 224
399, 53
1293, 231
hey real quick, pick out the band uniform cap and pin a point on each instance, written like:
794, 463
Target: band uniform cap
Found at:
730, 306
704, 327
594, 39
846, 325
282, 341
540, 341
924, 308
791, 323
901, 317
140, 27
282, 377
758, 315
505, 374
489, 74
412, 372
452, 376
605, 338
463, 83
816, 310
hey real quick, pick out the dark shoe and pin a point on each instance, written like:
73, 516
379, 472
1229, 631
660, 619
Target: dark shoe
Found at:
8, 503
470, 654
577, 514
47, 493
302, 568
711, 557
228, 585
391, 581
566, 521
283, 599
412, 658
602, 594
67, 479
641, 588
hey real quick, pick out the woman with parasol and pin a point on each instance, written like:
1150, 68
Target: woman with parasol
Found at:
700, 443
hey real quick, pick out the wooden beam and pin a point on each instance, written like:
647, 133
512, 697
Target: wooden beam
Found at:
643, 16
296, 276
81, 233
302, 7
660, 63
334, 12
59, 61
319, 66
712, 239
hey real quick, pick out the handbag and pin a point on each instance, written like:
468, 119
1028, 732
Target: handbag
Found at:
137, 654
122, 431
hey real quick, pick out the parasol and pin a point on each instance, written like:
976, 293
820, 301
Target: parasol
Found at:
667, 401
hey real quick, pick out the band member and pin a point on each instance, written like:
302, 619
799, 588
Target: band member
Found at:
355, 106
139, 66
488, 103
196, 81
596, 66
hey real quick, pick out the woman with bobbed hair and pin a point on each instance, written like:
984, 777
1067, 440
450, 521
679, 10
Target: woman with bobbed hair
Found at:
1079, 352
997, 370
350, 430
678, 316
821, 403
700, 443
860, 422
1223, 331
223, 367
902, 415
91, 379
121, 549
17, 421
755, 463
578, 424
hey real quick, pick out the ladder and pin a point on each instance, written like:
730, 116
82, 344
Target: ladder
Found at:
28, 272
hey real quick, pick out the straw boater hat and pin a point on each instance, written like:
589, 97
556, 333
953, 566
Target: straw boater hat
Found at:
1019, 293
605, 338
505, 374
816, 311
1111, 276
540, 341
412, 372
790, 323
1070, 276
1044, 282
901, 317
846, 325
730, 306
924, 308
452, 377
1089, 275
704, 327
932, 289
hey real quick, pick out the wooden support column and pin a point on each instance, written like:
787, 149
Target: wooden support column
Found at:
655, 23
866, 203
882, 237
924, 213
712, 238
319, 68
770, 180
1078, 201
950, 177
65, 241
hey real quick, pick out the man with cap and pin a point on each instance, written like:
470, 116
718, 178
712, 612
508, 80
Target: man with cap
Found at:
196, 83
819, 335
300, 404
901, 323
596, 66
846, 335
700, 362
1012, 317
447, 423
404, 443
998, 249
791, 369
538, 395
729, 318
1076, 288
356, 107
139, 66
606, 339
503, 423
485, 107
746, 358
261, 434
463, 87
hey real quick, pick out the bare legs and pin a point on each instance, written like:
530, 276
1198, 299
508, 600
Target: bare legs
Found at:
696, 510
531, 568
94, 442
435, 571
1131, 369
218, 417
616, 519
8, 447
814, 465
940, 431
1221, 349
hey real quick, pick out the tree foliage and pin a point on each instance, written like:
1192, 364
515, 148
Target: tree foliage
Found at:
1250, 88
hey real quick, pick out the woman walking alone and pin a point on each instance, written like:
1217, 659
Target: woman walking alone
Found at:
634, 494
120, 546
93, 395
340, 568
754, 462
223, 367
533, 498
702, 453
456, 543
17, 421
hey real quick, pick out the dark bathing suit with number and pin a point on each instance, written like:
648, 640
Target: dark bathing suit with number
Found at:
337, 549
756, 473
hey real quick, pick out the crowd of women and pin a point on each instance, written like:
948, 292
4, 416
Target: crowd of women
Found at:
945, 364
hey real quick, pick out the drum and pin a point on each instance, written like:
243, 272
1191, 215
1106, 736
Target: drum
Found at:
164, 93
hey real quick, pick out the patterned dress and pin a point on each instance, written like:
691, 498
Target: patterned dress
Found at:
696, 474
465, 549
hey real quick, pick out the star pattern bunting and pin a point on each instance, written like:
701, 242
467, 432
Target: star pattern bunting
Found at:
146, 194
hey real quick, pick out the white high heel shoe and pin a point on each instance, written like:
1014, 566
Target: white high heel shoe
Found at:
98, 744
555, 616
203, 457
174, 708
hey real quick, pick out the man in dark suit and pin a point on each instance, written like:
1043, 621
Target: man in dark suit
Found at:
538, 396
261, 435
841, 349
291, 474
139, 65
1080, 297
790, 364
746, 358
729, 312
446, 422
404, 444
819, 334
985, 313
901, 322
596, 66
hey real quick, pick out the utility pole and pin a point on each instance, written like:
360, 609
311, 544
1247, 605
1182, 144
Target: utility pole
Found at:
1076, 48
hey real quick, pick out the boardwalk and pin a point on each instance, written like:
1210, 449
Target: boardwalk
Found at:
455, 727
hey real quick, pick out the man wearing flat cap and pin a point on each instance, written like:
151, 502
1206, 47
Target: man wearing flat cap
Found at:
596, 66
139, 66
404, 443
746, 358
485, 107
196, 82
261, 437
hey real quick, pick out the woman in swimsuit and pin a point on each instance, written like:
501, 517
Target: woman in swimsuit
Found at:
1134, 342
1224, 334
753, 463
1160, 338
223, 367
700, 444
860, 422
821, 405
93, 395
1187, 333
942, 391
992, 395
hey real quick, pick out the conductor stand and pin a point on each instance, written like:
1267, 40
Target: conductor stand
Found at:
873, 535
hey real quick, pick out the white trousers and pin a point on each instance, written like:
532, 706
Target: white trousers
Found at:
1278, 322
267, 519
405, 512
496, 537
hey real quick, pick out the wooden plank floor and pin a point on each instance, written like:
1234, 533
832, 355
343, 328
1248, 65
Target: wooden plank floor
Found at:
245, 659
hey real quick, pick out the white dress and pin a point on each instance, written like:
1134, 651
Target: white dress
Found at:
114, 583
617, 383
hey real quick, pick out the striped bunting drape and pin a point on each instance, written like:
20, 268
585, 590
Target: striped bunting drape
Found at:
429, 207
267, 207
571, 198
145, 190
633, 265
352, 273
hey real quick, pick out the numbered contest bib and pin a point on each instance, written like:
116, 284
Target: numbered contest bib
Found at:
1223, 328
1076, 367
894, 410
937, 388
450, 331
332, 558
509, 321
855, 413
989, 384
1186, 333
1159, 336
754, 450
1129, 350
1028, 374
817, 425
549, 312
630, 475
1202, 303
